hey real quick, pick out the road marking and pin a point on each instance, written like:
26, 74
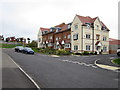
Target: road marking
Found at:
25, 73
80, 63
112, 57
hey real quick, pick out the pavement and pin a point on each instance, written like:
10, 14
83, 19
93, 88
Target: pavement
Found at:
12, 77
65, 71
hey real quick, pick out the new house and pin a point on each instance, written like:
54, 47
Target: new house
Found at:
82, 34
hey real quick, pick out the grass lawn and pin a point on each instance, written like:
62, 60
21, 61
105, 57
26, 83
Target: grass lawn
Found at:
116, 61
7, 45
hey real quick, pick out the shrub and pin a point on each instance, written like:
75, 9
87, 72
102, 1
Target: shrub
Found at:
86, 53
63, 52
78, 53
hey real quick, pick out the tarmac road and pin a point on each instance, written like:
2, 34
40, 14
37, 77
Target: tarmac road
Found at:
12, 77
51, 72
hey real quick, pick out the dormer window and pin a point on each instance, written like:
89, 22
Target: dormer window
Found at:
52, 29
58, 29
69, 25
88, 24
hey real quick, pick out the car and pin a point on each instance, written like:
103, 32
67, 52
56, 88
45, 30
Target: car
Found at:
19, 48
28, 50
118, 52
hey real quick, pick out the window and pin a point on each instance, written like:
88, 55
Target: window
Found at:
88, 36
76, 26
57, 38
88, 25
104, 38
56, 46
45, 32
67, 45
69, 36
52, 29
97, 27
104, 49
50, 44
39, 39
103, 28
75, 36
69, 26
58, 29
50, 37
87, 47
64, 36
76, 47
97, 37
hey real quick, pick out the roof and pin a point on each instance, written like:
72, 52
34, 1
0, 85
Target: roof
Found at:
44, 29
60, 25
104, 25
97, 42
114, 41
86, 19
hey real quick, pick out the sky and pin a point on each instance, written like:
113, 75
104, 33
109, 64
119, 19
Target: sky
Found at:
23, 18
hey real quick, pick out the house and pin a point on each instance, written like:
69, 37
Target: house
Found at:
89, 34
57, 37
114, 44
11, 39
41, 38
83, 34
1, 38
21, 39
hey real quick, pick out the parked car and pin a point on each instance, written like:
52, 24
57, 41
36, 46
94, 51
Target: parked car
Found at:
28, 50
118, 52
19, 48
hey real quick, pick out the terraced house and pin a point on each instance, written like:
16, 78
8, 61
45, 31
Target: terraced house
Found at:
83, 34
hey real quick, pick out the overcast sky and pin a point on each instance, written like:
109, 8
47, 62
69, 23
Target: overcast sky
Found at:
23, 18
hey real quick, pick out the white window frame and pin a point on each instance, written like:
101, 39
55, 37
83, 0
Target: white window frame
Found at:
57, 38
75, 47
97, 27
69, 36
88, 47
104, 38
76, 26
88, 36
75, 37
67, 45
50, 37
104, 48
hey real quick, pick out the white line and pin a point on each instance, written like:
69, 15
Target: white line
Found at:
25, 73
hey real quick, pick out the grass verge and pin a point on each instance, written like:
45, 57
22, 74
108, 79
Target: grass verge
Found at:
8, 45
116, 61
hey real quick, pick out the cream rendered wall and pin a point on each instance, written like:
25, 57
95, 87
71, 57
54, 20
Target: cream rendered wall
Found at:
86, 41
39, 36
75, 31
102, 34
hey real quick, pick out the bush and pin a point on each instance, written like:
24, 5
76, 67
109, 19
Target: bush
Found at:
32, 44
78, 53
86, 53
62, 52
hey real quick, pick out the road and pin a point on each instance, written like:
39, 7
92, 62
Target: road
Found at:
64, 72
12, 77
